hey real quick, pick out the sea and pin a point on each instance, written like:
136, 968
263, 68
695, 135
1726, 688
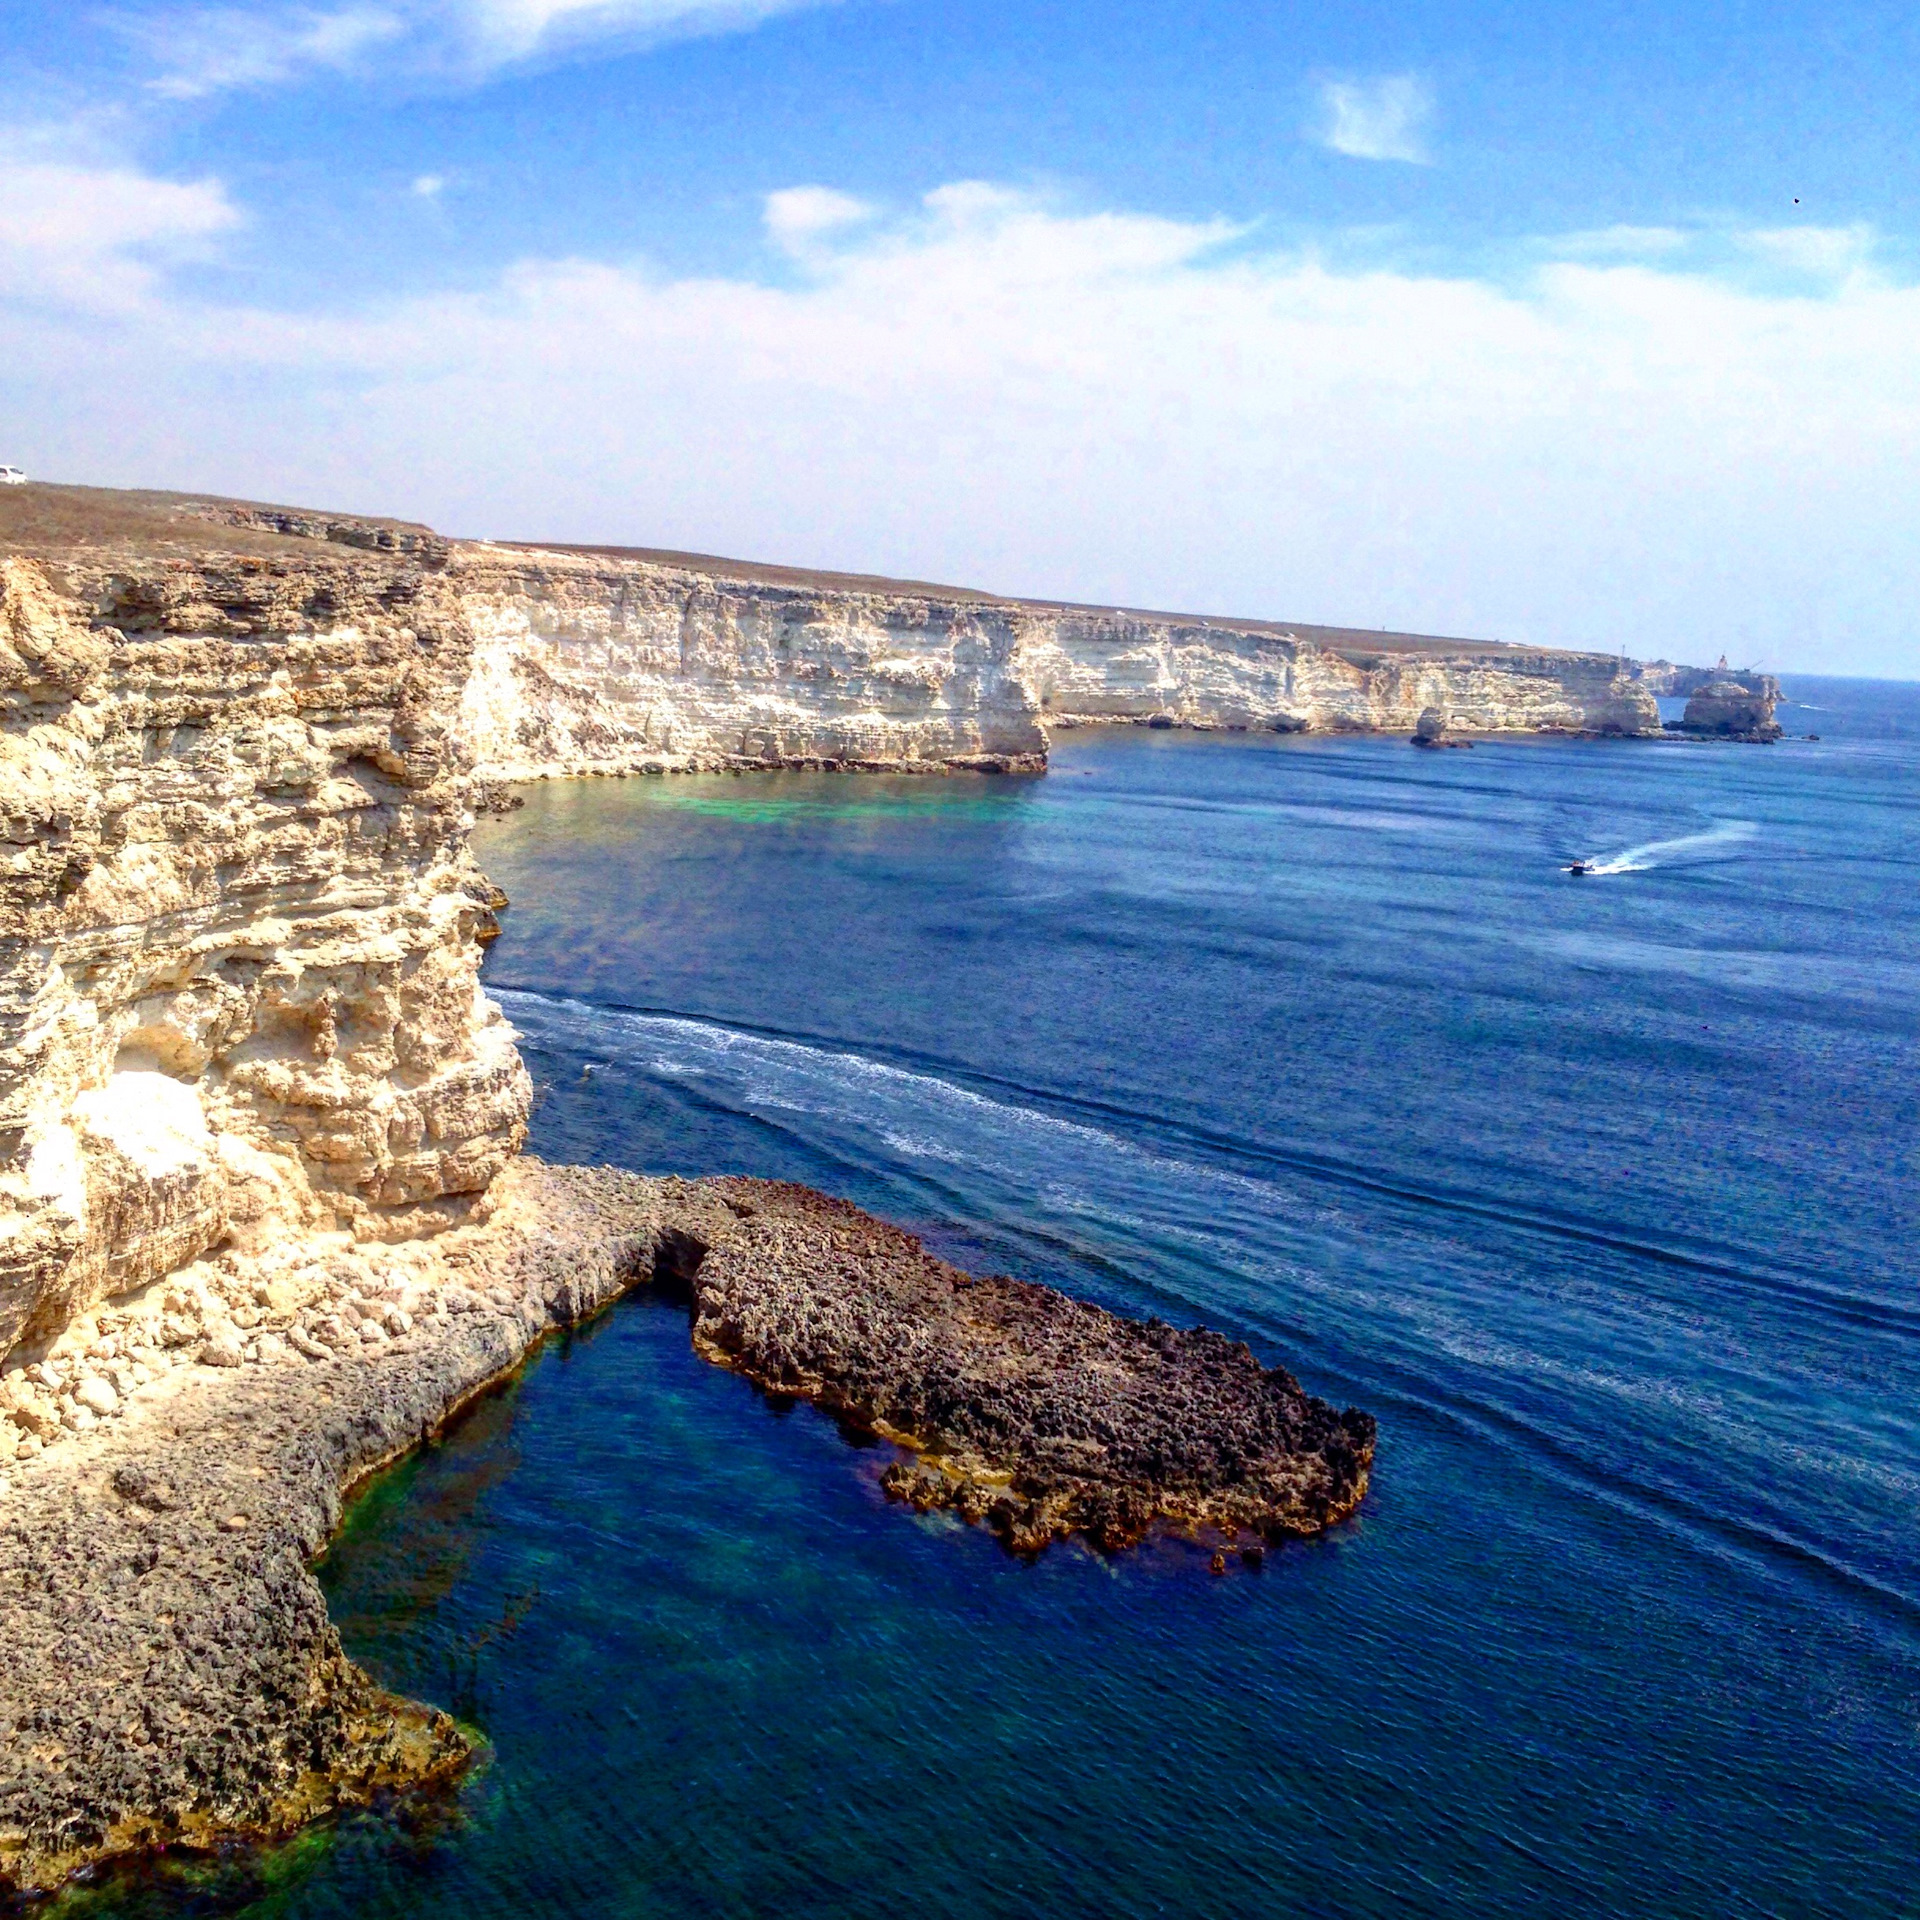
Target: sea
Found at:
1597, 1190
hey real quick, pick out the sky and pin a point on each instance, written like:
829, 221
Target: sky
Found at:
1589, 325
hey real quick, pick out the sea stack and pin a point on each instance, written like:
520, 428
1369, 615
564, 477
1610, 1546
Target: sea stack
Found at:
1730, 709
1432, 730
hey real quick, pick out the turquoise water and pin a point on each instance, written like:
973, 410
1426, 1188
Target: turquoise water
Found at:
1599, 1193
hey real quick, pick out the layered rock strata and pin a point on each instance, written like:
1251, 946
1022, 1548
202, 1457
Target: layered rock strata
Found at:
603, 662
596, 664
1730, 709
239, 971
172, 1676
239, 745
1086, 669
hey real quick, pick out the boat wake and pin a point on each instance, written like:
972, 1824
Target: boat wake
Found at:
1689, 850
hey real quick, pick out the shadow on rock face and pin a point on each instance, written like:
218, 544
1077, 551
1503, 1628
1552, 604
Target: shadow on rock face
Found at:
677, 1257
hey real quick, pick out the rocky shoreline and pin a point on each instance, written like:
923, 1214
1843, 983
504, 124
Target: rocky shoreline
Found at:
173, 1679
1035, 1414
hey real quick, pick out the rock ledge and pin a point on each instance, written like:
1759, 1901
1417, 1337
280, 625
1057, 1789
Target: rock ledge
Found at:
172, 1678
1040, 1415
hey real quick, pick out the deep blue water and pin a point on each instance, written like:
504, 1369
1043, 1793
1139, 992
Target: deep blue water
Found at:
1598, 1192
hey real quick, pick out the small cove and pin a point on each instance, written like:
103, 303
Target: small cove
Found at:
1598, 1194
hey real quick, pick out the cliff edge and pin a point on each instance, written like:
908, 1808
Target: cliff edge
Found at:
240, 747
609, 660
239, 973
261, 1224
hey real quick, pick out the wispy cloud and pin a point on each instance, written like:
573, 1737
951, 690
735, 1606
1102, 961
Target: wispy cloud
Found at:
96, 236
1822, 252
498, 32
224, 49
199, 51
1386, 118
1102, 404
1618, 243
798, 218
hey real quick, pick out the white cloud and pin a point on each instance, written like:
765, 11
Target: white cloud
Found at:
798, 218
501, 31
94, 236
1619, 243
429, 186
1105, 406
1381, 119
222, 49
1819, 251
198, 51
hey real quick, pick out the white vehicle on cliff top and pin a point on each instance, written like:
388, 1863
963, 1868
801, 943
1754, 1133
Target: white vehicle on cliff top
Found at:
12, 477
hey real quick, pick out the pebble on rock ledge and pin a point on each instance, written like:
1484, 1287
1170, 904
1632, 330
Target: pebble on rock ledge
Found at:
96, 1395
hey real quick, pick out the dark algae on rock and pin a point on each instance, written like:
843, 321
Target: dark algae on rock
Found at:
1038, 1414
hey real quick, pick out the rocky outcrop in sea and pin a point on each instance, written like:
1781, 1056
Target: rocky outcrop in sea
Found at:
1038, 1415
1730, 709
172, 1677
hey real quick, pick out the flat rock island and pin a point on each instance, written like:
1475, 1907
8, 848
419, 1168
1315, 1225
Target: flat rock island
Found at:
1035, 1413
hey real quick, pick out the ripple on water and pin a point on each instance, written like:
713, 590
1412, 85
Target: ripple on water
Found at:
1602, 1198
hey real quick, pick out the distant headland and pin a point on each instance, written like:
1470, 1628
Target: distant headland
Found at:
590, 660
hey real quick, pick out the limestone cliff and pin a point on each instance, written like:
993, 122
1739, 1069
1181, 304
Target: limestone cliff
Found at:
1734, 709
253, 1101
238, 959
1722, 703
1083, 667
613, 661
239, 926
591, 663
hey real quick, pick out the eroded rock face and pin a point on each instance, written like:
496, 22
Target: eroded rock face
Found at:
156, 1187
1209, 674
239, 928
238, 965
1735, 709
610, 663
590, 663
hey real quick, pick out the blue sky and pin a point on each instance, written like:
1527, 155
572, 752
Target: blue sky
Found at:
1577, 325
